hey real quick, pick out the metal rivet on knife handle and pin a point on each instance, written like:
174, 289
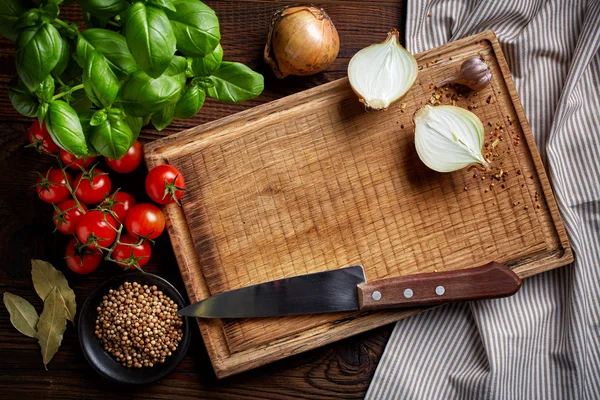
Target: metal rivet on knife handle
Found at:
427, 289
376, 295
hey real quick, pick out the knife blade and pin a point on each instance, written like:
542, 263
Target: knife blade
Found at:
347, 289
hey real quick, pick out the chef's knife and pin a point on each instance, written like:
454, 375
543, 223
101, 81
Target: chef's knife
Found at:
346, 289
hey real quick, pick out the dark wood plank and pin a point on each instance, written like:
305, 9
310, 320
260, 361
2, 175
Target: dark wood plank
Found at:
342, 370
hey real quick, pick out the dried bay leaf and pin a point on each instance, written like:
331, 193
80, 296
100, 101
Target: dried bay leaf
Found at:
22, 314
45, 277
52, 325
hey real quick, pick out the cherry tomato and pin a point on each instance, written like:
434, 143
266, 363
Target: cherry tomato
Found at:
127, 256
145, 220
52, 188
120, 203
40, 137
96, 227
92, 186
129, 162
75, 163
67, 216
165, 184
84, 260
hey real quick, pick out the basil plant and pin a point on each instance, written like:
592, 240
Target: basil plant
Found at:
137, 62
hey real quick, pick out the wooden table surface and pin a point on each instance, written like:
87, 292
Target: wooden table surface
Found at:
342, 370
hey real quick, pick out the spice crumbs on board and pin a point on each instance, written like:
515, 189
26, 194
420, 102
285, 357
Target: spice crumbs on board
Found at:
138, 325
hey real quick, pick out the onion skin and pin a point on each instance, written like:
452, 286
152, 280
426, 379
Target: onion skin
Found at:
302, 41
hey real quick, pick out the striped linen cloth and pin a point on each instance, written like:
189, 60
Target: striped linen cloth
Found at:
544, 342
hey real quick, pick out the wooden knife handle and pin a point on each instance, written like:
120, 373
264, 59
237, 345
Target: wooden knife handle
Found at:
485, 282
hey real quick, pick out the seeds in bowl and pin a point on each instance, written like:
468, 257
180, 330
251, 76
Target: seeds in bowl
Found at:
138, 325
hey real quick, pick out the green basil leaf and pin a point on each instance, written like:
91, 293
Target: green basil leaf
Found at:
150, 94
80, 102
45, 91
42, 112
65, 129
146, 120
235, 82
135, 123
177, 69
103, 8
98, 118
64, 59
71, 76
49, 11
166, 4
162, 118
99, 81
150, 38
38, 53
10, 12
85, 118
111, 45
204, 82
196, 28
29, 18
207, 65
135, 109
112, 138
190, 103
22, 100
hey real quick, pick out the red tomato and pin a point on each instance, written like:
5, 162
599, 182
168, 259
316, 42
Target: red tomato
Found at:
67, 216
84, 260
75, 163
52, 188
92, 186
129, 162
145, 220
128, 256
40, 137
165, 184
120, 203
96, 228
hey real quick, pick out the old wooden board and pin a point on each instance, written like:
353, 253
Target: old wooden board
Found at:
314, 182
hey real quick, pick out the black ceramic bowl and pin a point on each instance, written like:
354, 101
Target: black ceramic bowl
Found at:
100, 359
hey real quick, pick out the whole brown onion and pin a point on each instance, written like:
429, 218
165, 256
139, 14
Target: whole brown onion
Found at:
302, 41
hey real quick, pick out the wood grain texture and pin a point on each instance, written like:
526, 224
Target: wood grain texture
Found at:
315, 182
340, 370
488, 281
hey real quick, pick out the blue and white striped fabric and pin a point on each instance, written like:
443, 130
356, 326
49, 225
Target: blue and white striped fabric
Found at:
544, 342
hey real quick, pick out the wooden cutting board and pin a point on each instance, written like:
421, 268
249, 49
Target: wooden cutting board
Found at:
314, 182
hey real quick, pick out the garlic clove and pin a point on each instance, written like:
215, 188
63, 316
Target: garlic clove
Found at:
382, 73
474, 73
449, 138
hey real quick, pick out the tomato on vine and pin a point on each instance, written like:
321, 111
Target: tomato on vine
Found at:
71, 161
92, 186
52, 188
96, 229
119, 203
82, 260
67, 215
132, 252
165, 184
145, 220
129, 162
40, 138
